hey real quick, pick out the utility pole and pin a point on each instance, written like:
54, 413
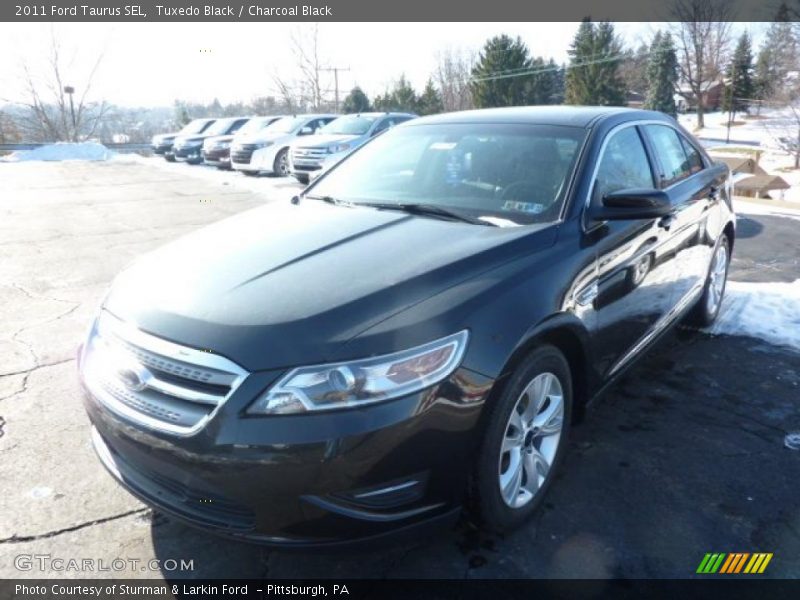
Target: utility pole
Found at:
68, 89
336, 83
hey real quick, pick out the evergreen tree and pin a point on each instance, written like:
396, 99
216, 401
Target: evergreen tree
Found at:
499, 76
356, 101
633, 69
400, 98
430, 102
545, 85
763, 76
593, 75
778, 56
181, 114
739, 88
662, 75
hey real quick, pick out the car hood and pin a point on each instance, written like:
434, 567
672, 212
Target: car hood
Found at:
185, 139
214, 139
319, 141
287, 284
164, 137
260, 136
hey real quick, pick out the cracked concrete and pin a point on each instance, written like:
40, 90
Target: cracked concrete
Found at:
685, 454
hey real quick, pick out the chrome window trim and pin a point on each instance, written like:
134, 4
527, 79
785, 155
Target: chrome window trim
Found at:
128, 332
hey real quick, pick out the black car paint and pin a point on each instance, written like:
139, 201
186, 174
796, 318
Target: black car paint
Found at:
270, 293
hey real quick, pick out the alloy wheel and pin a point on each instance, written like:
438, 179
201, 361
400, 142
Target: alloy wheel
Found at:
531, 440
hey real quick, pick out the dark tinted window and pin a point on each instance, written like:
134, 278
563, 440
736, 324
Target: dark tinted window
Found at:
693, 156
624, 164
672, 157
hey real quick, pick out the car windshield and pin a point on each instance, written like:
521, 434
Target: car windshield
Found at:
220, 127
353, 125
196, 126
503, 174
255, 124
286, 125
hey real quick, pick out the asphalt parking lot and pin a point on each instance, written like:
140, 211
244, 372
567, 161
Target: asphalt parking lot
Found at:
684, 456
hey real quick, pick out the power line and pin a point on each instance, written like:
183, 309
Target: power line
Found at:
528, 71
336, 82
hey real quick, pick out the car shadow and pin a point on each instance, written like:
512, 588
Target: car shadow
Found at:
748, 228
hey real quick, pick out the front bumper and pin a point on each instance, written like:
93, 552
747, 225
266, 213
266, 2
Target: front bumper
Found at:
260, 160
162, 148
305, 480
217, 157
190, 154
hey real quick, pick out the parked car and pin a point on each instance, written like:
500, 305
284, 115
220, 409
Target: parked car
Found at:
162, 143
417, 330
188, 148
339, 137
266, 151
217, 150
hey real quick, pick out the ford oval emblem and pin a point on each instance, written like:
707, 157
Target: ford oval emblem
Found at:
134, 377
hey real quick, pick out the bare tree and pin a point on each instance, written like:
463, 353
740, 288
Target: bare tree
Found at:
703, 36
452, 77
305, 47
56, 110
784, 126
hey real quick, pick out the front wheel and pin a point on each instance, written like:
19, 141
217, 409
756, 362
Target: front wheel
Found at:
707, 308
281, 165
524, 441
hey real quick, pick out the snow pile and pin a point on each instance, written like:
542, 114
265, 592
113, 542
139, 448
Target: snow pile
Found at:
743, 207
769, 311
63, 151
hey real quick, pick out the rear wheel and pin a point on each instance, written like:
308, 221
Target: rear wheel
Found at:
707, 308
169, 157
524, 441
250, 173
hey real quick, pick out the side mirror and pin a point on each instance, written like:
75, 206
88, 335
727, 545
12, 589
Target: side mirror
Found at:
632, 204
306, 131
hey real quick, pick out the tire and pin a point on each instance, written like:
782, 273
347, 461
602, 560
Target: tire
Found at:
706, 310
250, 173
280, 168
301, 177
506, 444
169, 158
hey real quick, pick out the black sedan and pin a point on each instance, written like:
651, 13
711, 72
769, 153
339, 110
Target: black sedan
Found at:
415, 333
188, 148
162, 143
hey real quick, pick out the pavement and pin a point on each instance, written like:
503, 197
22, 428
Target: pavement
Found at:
683, 456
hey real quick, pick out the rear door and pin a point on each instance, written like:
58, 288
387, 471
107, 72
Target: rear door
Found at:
693, 185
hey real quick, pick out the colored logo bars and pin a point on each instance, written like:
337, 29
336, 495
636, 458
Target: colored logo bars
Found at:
734, 562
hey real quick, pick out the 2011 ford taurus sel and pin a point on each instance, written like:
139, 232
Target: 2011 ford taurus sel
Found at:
414, 333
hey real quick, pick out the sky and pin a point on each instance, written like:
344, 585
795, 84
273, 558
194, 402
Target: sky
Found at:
152, 64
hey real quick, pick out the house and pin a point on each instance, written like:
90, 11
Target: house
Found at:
712, 95
761, 186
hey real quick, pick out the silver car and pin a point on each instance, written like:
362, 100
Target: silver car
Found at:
339, 137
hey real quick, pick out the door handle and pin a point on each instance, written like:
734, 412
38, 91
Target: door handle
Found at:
666, 221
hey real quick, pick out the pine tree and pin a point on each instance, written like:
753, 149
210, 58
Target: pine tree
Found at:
356, 101
400, 98
593, 75
739, 89
545, 85
662, 75
430, 102
499, 77
778, 56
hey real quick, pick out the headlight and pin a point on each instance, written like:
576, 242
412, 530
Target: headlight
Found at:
264, 144
360, 382
338, 148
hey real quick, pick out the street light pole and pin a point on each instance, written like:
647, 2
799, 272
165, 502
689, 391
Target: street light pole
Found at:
68, 89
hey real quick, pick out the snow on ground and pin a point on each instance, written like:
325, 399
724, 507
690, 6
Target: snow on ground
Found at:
743, 207
63, 151
768, 311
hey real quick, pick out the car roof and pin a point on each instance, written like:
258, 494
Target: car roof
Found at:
380, 114
574, 116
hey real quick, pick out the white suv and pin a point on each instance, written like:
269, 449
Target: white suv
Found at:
266, 151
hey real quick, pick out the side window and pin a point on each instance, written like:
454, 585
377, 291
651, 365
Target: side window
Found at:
624, 165
671, 155
695, 160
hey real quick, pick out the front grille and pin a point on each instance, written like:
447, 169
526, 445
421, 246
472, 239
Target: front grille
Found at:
242, 153
309, 154
141, 377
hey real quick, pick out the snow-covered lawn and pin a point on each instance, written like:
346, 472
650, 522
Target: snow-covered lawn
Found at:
63, 151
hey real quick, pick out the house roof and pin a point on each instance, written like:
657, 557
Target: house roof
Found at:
762, 183
740, 164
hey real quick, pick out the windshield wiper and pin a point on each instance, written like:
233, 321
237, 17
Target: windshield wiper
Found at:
434, 210
330, 200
